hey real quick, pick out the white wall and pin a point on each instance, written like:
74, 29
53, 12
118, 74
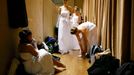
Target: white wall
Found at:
35, 18
49, 16
42, 16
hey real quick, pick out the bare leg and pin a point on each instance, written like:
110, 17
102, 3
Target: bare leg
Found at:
58, 64
57, 70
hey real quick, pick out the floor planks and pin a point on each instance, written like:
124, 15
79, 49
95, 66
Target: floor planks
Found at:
74, 64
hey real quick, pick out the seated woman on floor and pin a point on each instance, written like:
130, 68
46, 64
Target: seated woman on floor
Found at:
36, 61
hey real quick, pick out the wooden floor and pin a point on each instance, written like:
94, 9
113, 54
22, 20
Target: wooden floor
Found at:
74, 64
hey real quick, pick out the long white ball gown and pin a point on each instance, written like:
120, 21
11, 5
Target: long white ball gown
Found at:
64, 27
38, 66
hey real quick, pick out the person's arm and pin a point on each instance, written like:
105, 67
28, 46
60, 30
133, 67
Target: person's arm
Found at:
29, 48
70, 9
45, 46
79, 18
34, 44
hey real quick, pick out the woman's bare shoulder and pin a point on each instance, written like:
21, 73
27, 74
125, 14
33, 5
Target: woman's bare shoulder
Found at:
29, 46
70, 8
25, 45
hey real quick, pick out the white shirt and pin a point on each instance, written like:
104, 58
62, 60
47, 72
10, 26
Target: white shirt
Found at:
86, 25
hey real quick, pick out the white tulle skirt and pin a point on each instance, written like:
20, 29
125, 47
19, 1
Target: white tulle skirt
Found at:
38, 66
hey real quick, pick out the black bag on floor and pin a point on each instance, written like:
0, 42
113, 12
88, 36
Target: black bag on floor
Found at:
94, 49
106, 65
126, 69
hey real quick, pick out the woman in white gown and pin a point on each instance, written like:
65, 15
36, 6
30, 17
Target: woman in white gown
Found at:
76, 17
64, 26
37, 62
75, 21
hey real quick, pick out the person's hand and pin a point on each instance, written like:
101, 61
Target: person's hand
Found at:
35, 58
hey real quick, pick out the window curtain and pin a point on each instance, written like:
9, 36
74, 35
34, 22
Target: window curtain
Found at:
113, 20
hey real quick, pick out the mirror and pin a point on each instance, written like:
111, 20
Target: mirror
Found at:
57, 2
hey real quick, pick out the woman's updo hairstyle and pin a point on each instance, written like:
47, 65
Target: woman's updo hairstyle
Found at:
24, 34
